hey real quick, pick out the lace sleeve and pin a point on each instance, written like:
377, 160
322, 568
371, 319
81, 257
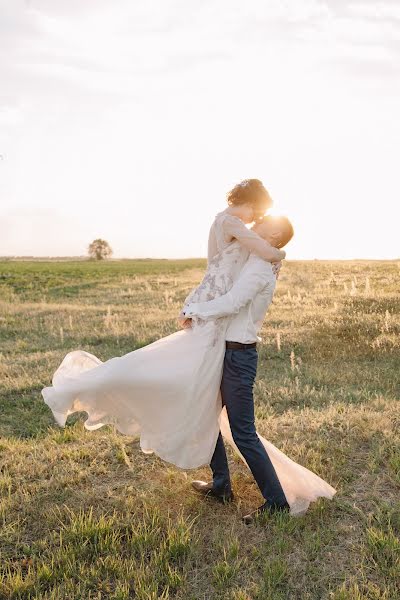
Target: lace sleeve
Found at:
212, 245
235, 228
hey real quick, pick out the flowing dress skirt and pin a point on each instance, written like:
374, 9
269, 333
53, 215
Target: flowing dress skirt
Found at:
168, 393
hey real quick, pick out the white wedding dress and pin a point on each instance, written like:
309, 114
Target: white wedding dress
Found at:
168, 392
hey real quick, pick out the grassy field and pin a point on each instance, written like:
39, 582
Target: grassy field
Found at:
85, 515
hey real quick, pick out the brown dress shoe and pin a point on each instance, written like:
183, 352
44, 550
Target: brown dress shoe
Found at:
264, 509
207, 490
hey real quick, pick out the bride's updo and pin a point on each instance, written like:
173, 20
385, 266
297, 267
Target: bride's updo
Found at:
252, 192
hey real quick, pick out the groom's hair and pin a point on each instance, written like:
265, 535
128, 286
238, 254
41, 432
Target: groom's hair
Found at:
250, 191
285, 227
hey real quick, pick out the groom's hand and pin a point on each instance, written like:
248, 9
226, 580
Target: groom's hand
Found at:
184, 322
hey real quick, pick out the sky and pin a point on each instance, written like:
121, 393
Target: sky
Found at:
130, 120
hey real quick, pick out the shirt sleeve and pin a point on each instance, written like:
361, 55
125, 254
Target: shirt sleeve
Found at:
249, 283
249, 239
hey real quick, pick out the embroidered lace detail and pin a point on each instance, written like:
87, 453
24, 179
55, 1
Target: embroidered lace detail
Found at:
219, 276
217, 281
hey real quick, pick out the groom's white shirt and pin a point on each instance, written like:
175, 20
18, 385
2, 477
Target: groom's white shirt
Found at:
248, 299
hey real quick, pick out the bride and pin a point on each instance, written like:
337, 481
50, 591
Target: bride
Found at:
168, 392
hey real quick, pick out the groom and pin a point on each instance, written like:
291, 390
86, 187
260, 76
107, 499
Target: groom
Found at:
247, 301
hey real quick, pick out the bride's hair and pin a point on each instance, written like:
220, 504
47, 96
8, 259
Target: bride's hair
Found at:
250, 191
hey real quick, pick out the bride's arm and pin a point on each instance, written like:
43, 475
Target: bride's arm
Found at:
249, 239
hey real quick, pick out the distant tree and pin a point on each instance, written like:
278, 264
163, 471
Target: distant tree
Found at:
100, 249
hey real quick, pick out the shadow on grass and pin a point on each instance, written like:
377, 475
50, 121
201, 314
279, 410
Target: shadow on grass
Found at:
24, 413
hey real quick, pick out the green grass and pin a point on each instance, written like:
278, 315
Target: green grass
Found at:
85, 515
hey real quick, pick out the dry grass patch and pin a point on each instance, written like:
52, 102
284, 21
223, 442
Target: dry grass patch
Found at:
85, 515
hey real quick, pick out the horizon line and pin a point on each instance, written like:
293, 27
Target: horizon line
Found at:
114, 259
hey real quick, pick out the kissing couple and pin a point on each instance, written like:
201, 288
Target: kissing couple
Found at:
188, 392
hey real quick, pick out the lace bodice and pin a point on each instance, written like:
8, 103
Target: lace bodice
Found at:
221, 272
225, 260
220, 275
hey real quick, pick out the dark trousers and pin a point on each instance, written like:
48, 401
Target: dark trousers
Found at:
240, 367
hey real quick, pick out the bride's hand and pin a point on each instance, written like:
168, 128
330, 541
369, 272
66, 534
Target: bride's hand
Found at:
276, 267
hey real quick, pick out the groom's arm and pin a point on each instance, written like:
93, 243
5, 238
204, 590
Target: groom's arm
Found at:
255, 276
